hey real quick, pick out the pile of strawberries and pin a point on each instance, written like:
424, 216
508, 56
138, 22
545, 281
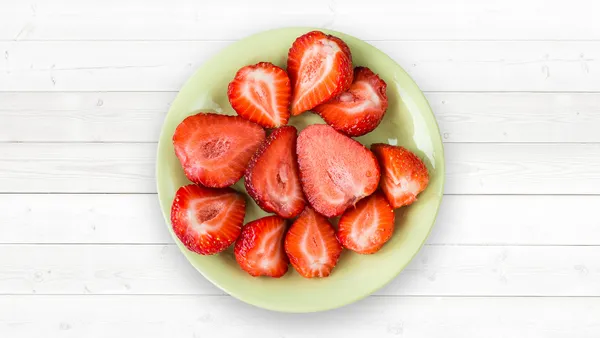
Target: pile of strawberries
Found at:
303, 179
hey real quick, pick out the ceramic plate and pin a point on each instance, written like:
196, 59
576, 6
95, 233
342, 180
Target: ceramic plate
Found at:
408, 122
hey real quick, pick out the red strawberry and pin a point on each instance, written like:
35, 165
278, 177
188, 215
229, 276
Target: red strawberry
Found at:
358, 110
261, 93
367, 227
214, 150
207, 220
259, 250
311, 245
320, 67
404, 174
335, 170
272, 175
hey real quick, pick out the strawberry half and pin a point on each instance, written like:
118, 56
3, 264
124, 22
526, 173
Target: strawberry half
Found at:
335, 170
207, 220
367, 227
272, 176
360, 109
259, 249
404, 174
214, 149
312, 246
261, 93
320, 67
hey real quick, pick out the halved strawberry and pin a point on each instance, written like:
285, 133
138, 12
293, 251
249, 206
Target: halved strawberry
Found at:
261, 93
207, 220
366, 227
259, 249
214, 149
336, 171
360, 109
311, 245
320, 67
272, 176
404, 174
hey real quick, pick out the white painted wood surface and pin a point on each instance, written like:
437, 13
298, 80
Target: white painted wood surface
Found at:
545, 66
84, 87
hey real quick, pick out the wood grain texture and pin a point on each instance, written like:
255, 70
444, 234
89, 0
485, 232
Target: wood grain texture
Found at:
470, 168
83, 117
522, 168
436, 270
136, 219
544, 66
65, 167
517, 117
381, 19
138, 116
189, 316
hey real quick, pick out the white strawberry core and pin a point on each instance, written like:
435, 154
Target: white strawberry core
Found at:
361, 234
213, 148
270, 243
201, 215
317, 62
404, 185
344, 180
373, 100
317, 262
255, 80
279, 190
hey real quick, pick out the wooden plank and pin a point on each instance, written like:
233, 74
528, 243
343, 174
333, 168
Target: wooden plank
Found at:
462, 220
69, 167
544, 66
471, 168
517, 117
189, 316
138, 116
436, 270
67, 218
522, 168
517, 220
83, 117
192, 20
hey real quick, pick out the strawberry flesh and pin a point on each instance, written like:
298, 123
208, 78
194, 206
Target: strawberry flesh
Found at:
320, 67
366, 227
272, 178
360, 109
311, 245
261, 93
259, 249
207, 220
214, 149
335, 170
404, 175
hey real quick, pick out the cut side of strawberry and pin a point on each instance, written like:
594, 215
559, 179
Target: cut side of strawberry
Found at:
261, 93
360, 109
259, 249
272, 178
320, 67
207, 220
311, 245
214, 149
335, 170
404, 175
366, 227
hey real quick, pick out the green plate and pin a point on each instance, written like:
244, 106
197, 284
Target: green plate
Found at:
408, 122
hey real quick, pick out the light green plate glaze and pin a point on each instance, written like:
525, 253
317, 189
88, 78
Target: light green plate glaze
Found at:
409, 122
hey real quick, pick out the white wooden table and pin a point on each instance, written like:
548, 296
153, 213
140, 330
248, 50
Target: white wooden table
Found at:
85, 85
